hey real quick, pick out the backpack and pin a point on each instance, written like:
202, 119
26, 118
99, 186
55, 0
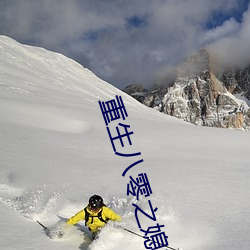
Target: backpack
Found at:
99, 216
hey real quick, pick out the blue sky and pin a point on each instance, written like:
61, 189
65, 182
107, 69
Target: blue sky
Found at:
218, 17
131, 41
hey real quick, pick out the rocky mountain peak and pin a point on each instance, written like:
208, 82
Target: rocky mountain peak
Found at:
200, 96
196, 64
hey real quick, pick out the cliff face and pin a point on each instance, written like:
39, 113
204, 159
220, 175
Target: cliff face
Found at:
237, 81
201, 97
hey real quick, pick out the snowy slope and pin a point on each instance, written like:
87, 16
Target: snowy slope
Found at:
55, 153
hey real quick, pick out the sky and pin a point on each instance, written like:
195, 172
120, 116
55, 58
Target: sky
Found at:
132, 41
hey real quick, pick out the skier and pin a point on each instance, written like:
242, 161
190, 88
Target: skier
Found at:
95, 214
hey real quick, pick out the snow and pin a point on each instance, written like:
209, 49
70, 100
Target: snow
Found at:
242, 99
55, 153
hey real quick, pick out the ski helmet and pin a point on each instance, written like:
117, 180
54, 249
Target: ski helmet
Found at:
95, 202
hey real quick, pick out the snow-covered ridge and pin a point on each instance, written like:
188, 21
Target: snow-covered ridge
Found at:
34, 66
33, 74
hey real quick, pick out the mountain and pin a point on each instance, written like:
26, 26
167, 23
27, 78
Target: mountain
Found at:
201, 96
56, 152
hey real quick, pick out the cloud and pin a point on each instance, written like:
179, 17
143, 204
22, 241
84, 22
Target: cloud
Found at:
125, 42
233, 49
228, 28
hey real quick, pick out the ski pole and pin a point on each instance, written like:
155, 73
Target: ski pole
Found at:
45, 228
125, 229
130, 231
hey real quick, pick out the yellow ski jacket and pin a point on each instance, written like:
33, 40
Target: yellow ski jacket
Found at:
94, 223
